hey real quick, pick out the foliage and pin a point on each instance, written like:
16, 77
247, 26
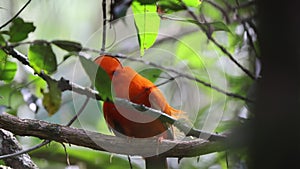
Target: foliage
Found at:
179, 55
52, 98
98, 77
42, 57
7, 68
19, 30
147, 23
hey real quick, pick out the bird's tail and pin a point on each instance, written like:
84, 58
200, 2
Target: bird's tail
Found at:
156, 162
175, 113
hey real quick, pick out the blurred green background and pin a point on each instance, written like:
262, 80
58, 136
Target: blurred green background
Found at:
180, 45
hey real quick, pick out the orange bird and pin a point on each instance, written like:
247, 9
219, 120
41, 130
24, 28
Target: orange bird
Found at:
128, 84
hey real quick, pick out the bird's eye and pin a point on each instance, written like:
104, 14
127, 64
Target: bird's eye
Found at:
114, 73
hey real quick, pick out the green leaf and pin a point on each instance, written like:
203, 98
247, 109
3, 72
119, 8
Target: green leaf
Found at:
98, 77
42, 57
147, 23
211, 12
69, 46
67, 56
151, 74
11, 97
52, 98
8, 69
169, 6
38, 84
235, 42
19, 30
2, 41
192, 3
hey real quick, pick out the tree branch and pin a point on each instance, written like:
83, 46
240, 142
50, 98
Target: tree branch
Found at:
97, 141
183, 127
188, 130
45, 142
9, 145
63, 84
67, 85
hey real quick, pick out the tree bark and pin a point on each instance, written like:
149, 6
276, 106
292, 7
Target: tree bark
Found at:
98, 141
9, 145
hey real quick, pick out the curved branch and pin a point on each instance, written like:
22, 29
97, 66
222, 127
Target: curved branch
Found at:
17, 153
97, 141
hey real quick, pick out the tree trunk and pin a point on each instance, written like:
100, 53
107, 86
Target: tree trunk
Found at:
275, 130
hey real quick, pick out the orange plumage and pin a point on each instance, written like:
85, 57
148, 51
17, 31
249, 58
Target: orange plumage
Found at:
128, 84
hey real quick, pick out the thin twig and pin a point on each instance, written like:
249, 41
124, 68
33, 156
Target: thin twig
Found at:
25, 151
129, 161
9, 144
188, 130
67, 155
79, 112
63, 84
17, 89
46, 141
167, 81
67, 85
249, 37
103, 25
222, 48
234, 95
13, 52
249, 21
16, 15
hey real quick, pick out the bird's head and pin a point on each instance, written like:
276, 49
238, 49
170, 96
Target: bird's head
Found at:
108, 63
